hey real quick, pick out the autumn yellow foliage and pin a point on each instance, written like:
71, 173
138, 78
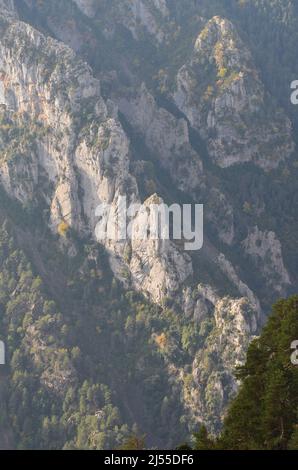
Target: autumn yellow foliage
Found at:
63, 228
161, 340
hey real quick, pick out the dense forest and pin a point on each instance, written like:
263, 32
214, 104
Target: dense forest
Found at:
264, 415
54, 399
73, 355
125, 346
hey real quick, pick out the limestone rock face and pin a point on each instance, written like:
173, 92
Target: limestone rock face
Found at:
55, 93
167, 138
221, 93
138, 12
84, 165
227, 325
220, 214
157, 266
226, 266
265, 250
235, 326
74, 136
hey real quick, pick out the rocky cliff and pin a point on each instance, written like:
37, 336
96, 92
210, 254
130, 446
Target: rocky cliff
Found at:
197, 127
221, 93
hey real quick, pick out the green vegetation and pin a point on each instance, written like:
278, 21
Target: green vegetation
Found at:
264, 415
265, 412
90, 365
18, 135
87, 361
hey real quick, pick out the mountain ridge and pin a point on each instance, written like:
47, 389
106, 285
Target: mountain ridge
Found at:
74, 135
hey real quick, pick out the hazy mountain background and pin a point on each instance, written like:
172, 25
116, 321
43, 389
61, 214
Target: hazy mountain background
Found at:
179, 100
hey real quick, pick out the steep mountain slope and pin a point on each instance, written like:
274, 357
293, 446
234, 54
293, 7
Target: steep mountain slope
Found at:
221, 94
270, 382
173, 104
264, 413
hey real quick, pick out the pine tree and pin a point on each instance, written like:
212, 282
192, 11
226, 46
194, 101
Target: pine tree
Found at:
264, 414
202, 440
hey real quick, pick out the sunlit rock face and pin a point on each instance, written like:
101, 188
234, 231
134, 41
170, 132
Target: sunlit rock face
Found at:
265, 250
221, 93
166, 137
83, 135
83, 165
